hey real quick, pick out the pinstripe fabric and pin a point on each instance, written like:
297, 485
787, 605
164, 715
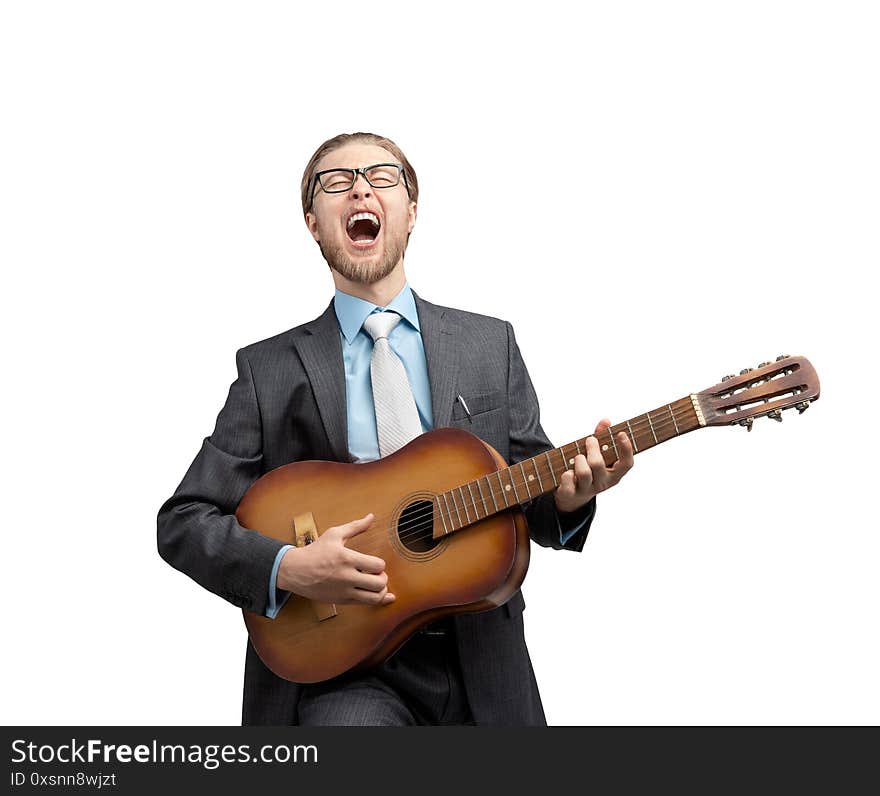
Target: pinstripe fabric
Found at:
420, 685
288, 404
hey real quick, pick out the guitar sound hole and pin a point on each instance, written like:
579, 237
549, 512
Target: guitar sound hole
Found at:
415, 528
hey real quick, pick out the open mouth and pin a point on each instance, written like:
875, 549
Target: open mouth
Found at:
363, 229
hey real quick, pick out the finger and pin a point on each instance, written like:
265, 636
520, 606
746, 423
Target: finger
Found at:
353, 528
582, 470
374, 583
567, 483
625, 449
372, 565
371, 597
596, 461
602, 425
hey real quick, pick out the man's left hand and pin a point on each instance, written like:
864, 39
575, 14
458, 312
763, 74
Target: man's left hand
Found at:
589, 476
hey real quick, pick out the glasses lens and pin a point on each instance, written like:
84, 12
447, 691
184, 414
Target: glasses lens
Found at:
336, 181
383, 176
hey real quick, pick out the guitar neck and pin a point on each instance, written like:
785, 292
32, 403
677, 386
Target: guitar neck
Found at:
526, 480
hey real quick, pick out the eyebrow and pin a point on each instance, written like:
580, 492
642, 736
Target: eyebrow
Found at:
365, 166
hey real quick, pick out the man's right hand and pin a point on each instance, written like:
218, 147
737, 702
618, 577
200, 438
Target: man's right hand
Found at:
327, 571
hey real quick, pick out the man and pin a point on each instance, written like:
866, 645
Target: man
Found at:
380, 366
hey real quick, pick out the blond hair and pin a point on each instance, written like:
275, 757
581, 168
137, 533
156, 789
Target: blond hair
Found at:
356, 138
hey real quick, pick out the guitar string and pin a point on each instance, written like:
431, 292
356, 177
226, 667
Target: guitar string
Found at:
662, 427
408, 530
412, 530
424, 520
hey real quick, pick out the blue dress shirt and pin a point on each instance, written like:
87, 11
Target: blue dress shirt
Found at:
357, 351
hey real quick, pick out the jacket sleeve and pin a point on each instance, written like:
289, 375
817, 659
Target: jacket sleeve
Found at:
547, 526
197, 530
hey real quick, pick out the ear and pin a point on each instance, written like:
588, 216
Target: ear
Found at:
312, 224
413, 211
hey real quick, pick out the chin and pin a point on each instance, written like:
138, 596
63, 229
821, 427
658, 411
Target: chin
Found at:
362, 267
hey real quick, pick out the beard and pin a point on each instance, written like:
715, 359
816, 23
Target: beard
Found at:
366, 271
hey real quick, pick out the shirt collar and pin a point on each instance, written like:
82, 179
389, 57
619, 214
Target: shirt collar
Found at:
351, 311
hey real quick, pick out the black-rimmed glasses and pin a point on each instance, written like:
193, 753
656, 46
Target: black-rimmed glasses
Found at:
381, 175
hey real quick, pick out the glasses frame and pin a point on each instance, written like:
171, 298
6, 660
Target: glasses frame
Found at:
316, 180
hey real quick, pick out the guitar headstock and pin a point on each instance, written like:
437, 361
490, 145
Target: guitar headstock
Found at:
765, 391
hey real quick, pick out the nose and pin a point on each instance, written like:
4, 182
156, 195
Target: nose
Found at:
360, 187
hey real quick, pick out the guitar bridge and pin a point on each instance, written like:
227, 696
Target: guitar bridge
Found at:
305, 532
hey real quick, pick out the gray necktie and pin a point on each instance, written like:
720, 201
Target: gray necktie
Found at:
397, 418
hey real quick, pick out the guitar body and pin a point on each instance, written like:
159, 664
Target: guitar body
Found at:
454, 539
474, 569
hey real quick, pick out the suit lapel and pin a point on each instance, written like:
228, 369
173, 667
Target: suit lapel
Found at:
320, 350
440, 337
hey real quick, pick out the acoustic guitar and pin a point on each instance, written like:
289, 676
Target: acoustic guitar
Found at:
448, 520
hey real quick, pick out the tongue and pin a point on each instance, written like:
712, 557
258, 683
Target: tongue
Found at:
362, 231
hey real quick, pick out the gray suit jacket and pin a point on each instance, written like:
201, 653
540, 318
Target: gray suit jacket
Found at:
289, 404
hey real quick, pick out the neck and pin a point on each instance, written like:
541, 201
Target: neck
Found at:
530, 478
380, 293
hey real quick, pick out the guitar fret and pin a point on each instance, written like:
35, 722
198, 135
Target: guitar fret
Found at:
492, 493
614, 444
648, 415
538, 474
525, 480
550, 468
455, 509
464, 504
513, 484
503, 490
440, 512
632, 437
448, 512
457, 512
482, 497
672, 415
473, 502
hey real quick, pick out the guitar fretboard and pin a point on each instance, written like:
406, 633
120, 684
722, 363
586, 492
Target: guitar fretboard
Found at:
527, 479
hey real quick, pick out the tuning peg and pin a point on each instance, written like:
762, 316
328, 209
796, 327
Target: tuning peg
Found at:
728, 377
802, 407
782, 356
776, 414
744, 371
747, 423
764, 364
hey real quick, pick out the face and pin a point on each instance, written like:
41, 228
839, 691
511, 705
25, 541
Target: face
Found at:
361, 251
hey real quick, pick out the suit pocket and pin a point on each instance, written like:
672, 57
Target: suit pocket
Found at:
477, 403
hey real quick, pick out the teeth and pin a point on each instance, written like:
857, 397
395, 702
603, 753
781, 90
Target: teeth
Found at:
364, 217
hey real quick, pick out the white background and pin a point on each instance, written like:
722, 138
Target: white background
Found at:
654, 194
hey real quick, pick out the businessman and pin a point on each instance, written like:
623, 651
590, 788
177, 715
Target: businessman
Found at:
377, 368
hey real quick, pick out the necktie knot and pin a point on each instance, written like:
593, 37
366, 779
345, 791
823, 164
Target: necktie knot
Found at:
380, 324
397, 416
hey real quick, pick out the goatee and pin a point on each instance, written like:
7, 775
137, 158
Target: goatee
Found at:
365, 272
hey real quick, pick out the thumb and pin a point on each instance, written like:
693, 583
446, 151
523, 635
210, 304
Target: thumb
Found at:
355, 527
